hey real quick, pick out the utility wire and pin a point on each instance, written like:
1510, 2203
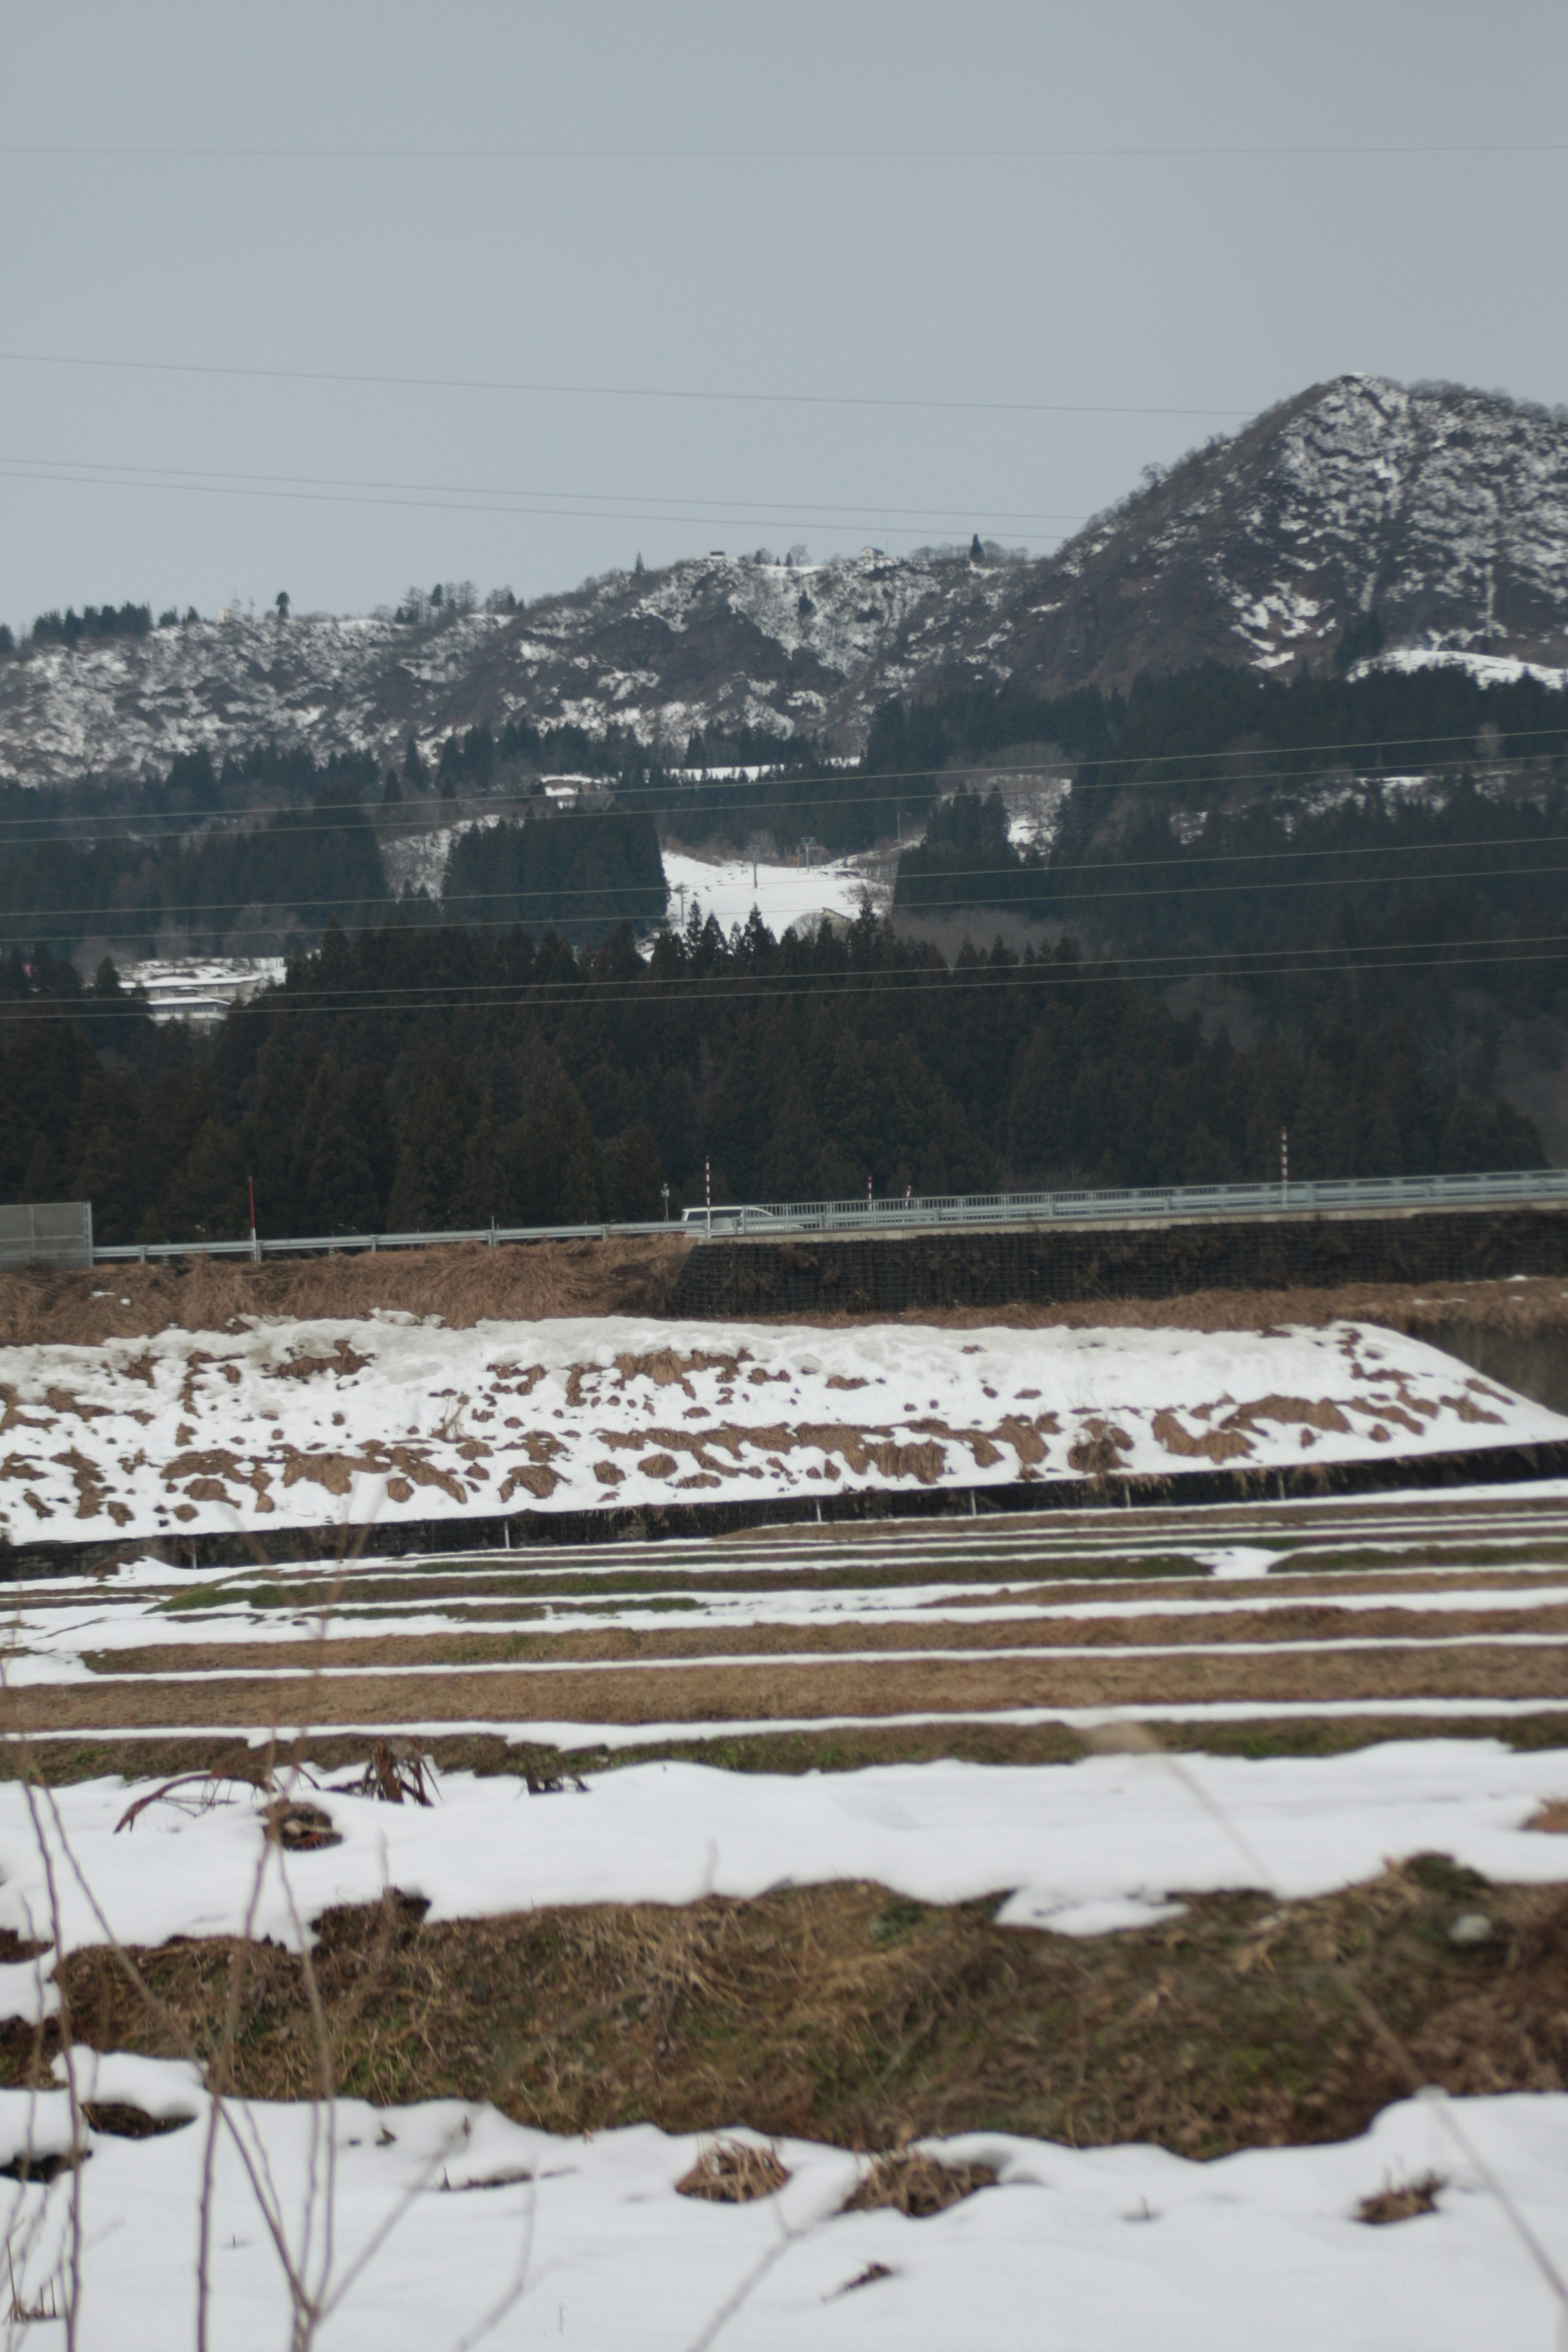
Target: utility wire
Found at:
192, 913
672, 783
637, 989
610, 391
780, 154
469, 506
716, 513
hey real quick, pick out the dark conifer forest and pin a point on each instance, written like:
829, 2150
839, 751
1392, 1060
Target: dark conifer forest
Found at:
412, 1078
1247, 920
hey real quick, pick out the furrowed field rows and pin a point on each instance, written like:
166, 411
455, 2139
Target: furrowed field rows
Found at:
1456, 1610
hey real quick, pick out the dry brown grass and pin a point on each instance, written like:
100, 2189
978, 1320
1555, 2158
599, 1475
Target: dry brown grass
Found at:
916, 2184
470, 1284
733, 2172
463, 1285
1402, 2204
714, 1693
847, 2014
1552, 1818
1210, 1623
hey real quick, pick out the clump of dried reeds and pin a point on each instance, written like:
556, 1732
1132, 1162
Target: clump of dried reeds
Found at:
917, 2184
733, 2172
1403, 2204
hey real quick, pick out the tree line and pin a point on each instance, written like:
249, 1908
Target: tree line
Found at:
258, 855
414, 1079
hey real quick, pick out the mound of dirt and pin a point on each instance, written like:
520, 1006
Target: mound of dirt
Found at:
463, 1285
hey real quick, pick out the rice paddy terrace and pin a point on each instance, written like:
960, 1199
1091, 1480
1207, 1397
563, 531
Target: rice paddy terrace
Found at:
1259, 1627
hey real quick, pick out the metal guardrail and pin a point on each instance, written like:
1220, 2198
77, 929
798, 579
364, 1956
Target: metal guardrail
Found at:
763, 1220
1163, 1202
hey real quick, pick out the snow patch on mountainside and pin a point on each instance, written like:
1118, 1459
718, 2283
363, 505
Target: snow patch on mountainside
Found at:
1491, 670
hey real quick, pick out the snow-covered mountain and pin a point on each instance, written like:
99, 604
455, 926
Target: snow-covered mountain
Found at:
1441, 511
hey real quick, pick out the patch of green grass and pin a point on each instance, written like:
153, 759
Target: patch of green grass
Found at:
678, 1588
221, 1595
896, 1922
1439, 1554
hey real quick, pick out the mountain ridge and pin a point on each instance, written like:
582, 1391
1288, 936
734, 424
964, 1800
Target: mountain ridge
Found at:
1360, 516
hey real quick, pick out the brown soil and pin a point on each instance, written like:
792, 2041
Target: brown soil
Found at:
1209, 1625
844, 2013
463, 1285
707, 1693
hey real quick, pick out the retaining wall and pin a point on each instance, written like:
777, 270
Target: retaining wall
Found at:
736, 1280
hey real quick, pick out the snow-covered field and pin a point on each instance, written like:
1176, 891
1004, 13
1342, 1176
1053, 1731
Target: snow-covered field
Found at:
729, 888
1083, 1849
387, 1419
446, 2216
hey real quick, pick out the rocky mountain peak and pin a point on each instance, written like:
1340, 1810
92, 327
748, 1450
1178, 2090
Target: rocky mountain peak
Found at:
1361, 518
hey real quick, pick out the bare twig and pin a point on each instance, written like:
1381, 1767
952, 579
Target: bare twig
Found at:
213, 1780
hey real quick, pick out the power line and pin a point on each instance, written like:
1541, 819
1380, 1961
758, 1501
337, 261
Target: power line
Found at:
103, 479
191, 914
231, 155
713, 510
611, 391
809, 776
1239, 964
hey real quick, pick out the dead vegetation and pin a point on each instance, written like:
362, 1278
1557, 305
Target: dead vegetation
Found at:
1402, 2204
847, 2014
398, 1773
1207, 1626
733, 2172
713, 1690
463, 1285
840, 1748
916, 2184
298, 1826
468, 1283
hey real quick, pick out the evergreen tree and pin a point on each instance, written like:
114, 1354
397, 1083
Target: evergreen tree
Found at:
432, 1138
634, 1175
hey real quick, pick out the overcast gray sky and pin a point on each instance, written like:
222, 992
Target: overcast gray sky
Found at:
866, 205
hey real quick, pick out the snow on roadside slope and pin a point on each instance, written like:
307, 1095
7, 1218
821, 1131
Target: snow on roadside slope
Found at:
591, 2240
1083, 1849
388, 1419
